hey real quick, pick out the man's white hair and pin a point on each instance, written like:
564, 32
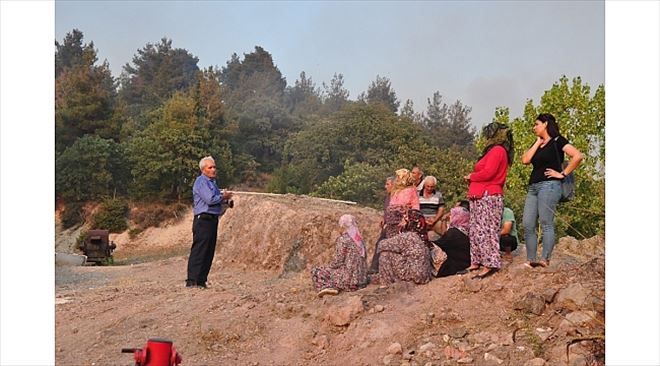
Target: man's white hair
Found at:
202, 163
431, 179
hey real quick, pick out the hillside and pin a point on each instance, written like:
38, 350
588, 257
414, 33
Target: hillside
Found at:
260, 307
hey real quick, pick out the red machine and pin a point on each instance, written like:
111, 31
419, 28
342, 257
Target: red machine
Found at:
158, 352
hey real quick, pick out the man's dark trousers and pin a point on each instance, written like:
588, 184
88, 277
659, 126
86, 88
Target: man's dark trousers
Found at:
205, 234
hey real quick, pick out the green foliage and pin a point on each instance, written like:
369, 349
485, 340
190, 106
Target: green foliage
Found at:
381, 91
447, 125
359, 182
304, 97
165, 156
84, 94
359, 133
448, 165
72, 53
158, 71
335, 96
91, 168
581, 118
263, 127
72, 215
111, 216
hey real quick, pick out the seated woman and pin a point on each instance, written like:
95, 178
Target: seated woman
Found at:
455, 243
348, 270
402, 198
406, 256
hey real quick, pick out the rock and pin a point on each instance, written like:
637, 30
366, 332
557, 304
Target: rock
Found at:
531, 303
576, 354
465, 360
535, 362
497, 287
549, 295
544, 333
492, 358
321, 341
428, 363
576, 319
505, 339
483, 337
446, 338
458, 332
379, 308
575, 293
471, 285
408, 355
394, 348
426, 347
451, 352
343, 314
388, 359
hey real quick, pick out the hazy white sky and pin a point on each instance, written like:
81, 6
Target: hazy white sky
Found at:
486, 54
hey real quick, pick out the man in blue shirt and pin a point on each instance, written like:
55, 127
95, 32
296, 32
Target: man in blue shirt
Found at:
208, 203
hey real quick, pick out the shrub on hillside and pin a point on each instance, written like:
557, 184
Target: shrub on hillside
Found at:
111, 216
72, 215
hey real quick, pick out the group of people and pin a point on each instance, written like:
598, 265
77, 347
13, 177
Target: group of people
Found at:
420, 240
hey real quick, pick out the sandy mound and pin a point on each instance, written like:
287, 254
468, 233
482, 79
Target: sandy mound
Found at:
261, 309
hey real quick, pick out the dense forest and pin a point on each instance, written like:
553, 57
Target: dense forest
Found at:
139, 137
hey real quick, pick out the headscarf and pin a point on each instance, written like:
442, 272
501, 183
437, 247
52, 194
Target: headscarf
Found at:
404, 179
349, 223
459, 218
498, 134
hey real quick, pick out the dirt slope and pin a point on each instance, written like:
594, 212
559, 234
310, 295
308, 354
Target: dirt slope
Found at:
261, 309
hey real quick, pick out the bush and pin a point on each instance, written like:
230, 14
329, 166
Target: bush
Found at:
360, 182
72, 215
111, 216
153, 215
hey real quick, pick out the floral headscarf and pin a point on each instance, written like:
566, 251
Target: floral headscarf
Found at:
349, 223
404, 179
499, 134
459, 218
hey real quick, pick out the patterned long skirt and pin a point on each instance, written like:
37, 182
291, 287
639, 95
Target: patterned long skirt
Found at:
485, 217
404, 257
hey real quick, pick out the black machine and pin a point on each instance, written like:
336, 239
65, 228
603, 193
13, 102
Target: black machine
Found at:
97, 247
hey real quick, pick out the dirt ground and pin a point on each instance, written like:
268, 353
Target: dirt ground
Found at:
261, 309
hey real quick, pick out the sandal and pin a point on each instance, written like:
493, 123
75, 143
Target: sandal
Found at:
485, 274
544, 263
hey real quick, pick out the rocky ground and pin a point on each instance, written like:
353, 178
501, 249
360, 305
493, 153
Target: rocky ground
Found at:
260, 307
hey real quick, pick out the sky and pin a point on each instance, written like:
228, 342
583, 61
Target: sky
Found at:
485, 54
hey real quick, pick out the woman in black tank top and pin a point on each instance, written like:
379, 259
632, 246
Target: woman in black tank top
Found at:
546, 156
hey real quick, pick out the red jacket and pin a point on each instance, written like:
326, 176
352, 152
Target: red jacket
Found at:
489, 173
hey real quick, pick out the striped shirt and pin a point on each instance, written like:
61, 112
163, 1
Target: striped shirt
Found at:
430, 206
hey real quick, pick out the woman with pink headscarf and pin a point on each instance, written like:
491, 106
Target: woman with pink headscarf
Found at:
348, 270
455, 243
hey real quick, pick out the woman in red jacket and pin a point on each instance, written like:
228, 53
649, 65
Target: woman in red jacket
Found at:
486, 197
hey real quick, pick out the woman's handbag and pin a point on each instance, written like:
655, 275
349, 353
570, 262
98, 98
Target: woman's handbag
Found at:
568, 183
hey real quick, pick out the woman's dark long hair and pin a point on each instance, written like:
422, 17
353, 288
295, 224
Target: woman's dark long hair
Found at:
553, 127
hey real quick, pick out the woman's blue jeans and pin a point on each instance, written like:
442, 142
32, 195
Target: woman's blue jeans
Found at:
540, 205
